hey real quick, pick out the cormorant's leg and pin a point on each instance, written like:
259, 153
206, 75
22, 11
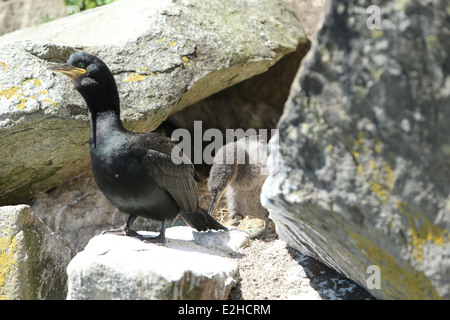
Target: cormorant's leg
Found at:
159, 239
125, 230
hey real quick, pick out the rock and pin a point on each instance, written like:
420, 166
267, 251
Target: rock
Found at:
310, 13
33, 259
256, 103
289, 275
164, 55
25, 13
187, 267
360, 169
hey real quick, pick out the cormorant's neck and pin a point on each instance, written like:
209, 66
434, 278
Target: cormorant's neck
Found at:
100, 97
104, 106
103, 124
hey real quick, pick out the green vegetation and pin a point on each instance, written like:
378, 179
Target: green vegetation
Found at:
81, 5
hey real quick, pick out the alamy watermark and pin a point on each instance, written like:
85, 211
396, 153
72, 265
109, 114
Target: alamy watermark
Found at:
374, 20
373, 281
190, 146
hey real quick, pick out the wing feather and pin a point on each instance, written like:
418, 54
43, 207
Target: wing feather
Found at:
177, 179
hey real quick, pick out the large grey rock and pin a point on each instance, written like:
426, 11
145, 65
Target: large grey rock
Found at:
165, 55
25, 13
310, 13
33, 259
256, 103
191, 265
363, 173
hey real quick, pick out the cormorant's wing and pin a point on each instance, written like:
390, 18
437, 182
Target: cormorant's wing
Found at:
173, 171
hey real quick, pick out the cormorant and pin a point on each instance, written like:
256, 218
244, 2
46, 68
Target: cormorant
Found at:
239, 170
134, 170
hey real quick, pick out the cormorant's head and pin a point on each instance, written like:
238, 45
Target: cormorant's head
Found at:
92, 78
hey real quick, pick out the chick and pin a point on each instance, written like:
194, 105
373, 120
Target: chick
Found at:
239, 170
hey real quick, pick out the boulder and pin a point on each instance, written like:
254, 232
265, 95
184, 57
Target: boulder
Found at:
360, 169
310, 13
191, 265
33, 259
256, 103
165, 55
25, 13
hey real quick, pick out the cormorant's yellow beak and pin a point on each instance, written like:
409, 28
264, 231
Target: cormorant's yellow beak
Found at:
70, 71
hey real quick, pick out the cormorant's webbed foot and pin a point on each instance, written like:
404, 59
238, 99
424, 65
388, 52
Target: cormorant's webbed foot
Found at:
125, 230
159, 239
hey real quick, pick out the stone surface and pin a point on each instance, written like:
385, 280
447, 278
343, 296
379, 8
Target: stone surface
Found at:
164, 55
310, 14
363, 173
289, 275
33, 259
191, 265
20, 14
256, 103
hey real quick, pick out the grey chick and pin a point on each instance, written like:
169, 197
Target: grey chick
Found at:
239, 170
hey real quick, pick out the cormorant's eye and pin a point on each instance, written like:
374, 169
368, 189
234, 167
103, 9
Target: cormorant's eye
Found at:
81, 64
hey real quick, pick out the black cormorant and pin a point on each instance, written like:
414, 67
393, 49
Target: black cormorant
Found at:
134, 170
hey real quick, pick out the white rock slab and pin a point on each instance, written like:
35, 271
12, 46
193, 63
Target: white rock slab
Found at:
191, 265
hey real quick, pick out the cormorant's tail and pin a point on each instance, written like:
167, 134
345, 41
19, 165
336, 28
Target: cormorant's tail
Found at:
201, 220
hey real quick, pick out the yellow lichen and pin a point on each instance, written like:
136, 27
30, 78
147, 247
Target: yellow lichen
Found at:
187, 62
51, 102
19, 93
376, 73
355, 154
357, 143
4, 66
360, 169
8, 248
399, 280
330, 148
378, 174
382, 182
10, 92
134, 77
427, 232
378, 146
36, 82
21, 105
376, 33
